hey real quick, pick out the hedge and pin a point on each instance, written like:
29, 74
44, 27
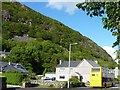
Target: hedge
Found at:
14, 77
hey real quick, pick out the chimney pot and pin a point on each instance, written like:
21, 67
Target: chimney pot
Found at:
96, 61
9, 63
60, 62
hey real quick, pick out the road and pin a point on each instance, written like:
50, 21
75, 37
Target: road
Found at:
79, 88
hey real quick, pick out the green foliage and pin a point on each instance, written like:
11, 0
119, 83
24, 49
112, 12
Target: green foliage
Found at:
109, 11
14, 77
118, 78
51, 85
109, 64
51, 44
45, 70
75, 82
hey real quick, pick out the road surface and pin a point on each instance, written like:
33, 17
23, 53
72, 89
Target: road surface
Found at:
79, 88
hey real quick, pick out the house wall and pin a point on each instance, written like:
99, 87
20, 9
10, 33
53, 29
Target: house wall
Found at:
62, 73
84, 69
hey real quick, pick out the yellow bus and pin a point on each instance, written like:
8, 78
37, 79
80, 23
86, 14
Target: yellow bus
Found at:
101, 77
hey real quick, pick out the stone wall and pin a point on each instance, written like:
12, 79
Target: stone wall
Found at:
48, 83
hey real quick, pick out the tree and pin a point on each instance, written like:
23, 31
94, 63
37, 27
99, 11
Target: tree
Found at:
110, 13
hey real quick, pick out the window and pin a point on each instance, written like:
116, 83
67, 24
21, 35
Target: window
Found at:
93, 74
62, 77
61, 69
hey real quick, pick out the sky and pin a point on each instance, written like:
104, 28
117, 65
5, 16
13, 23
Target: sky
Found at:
67, 13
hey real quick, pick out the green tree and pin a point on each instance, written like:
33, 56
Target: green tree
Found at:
110, 13
28, 54
53, 63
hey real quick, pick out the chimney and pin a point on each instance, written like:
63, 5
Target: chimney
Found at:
9, 63
84, 59
60, 62
96, 61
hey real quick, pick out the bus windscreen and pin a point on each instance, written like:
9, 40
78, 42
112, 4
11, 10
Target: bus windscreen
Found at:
95, 69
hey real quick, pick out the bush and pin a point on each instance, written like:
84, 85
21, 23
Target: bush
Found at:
75, 82
51, 85
118, 78
14, 77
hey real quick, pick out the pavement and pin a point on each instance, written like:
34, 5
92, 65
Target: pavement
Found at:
79, 88
17, 86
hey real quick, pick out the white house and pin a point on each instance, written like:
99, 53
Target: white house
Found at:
77, 68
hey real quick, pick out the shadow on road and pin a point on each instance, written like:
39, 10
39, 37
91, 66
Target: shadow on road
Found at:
11, 88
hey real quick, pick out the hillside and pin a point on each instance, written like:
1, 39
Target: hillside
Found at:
49, 41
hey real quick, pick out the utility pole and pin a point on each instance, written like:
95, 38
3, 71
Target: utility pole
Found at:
68, 86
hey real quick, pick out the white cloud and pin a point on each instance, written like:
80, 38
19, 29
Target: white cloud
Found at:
68, 5
110, 51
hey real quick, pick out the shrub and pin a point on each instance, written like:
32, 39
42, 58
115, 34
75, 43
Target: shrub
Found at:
75, 82
14, 77
51, 85
118, 78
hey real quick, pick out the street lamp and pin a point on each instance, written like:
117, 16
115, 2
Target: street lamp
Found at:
69, 63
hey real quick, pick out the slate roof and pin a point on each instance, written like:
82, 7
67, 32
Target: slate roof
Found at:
50, 72
75, 63
3, 64
9, 67
72, 63
13, 66
93, 63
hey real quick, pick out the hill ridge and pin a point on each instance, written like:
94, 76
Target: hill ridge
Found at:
52, 39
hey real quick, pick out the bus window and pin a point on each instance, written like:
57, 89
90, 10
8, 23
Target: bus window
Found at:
95, 70
93, 74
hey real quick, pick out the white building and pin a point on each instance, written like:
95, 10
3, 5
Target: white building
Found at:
77, 68
117, 72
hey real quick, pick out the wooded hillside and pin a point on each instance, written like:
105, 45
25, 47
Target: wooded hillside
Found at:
47, 40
